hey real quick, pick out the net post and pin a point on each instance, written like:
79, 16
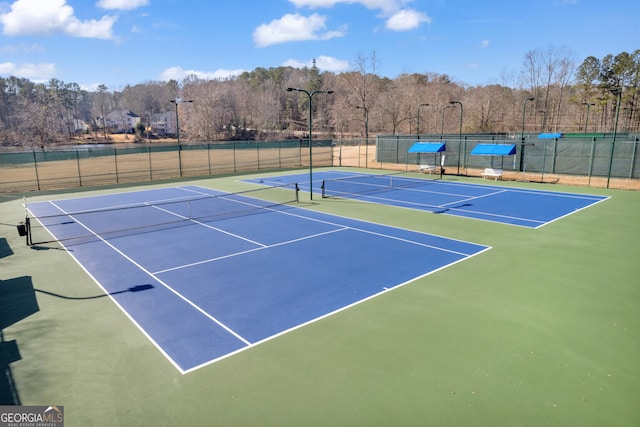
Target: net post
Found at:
27, 224
297, 190
324, 195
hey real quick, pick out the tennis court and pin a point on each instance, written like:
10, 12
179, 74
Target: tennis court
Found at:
539, 330
205, 274
514, 206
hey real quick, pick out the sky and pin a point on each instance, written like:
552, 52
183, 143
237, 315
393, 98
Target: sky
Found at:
127, 42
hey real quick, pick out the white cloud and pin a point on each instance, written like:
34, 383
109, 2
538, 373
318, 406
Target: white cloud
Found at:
90, 87
484, 43
407, 19
326, 63
179, 74
293, 28
20, 49
122, 4
45, 17
36, 72
384, 5
398, 18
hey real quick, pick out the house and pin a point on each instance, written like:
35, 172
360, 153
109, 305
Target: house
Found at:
121, 121
80, 126
163, 123
67, 123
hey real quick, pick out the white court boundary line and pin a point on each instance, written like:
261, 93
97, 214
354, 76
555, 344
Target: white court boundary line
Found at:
536, 224
247, 343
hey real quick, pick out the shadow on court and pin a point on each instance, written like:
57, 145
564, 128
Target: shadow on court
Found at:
445, 210
137, 288
5, 249
40, 247
17, 302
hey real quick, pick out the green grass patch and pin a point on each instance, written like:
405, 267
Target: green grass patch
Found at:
543, 329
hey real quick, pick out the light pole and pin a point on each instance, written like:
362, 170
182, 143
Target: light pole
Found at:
366, 136
618, 93
418, 127
524, 106
310, 96
442, 124
178, 100
459, 132
586, 120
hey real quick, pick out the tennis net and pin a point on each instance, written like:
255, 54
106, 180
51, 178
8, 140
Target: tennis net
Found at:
367, 184
55, 224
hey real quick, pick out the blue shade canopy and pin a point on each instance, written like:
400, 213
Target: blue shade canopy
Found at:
550, 135
427, 147
494, 150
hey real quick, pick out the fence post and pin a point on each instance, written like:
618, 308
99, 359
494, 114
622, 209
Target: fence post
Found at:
78, 163
593, 149
115, 159
633, 158
234, 157
555, 155
466, 167
150, 165
35, 165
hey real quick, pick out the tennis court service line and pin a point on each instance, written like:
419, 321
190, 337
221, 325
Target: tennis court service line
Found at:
374, 233
160, 281
207, 225
418, 206
262, 247
468, 199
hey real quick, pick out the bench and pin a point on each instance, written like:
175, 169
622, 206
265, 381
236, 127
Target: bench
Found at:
492, 173
427, 168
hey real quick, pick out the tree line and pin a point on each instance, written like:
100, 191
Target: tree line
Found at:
549, 94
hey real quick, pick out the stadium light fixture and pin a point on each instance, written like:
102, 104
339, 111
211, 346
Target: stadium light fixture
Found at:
459, 132
177, 101
524, 108
310, 96
442, 124
366, 135
418, 119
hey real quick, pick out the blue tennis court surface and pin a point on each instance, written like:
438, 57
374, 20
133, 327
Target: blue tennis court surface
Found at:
521, 207
205, 274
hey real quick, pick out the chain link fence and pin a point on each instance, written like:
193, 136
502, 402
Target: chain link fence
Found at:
597, 161
83, 166
591, 158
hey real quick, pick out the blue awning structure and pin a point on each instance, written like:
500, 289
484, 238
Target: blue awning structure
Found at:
550, 135
494, 150
428, 147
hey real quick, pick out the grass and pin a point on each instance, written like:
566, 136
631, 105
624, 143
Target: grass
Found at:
543, 329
